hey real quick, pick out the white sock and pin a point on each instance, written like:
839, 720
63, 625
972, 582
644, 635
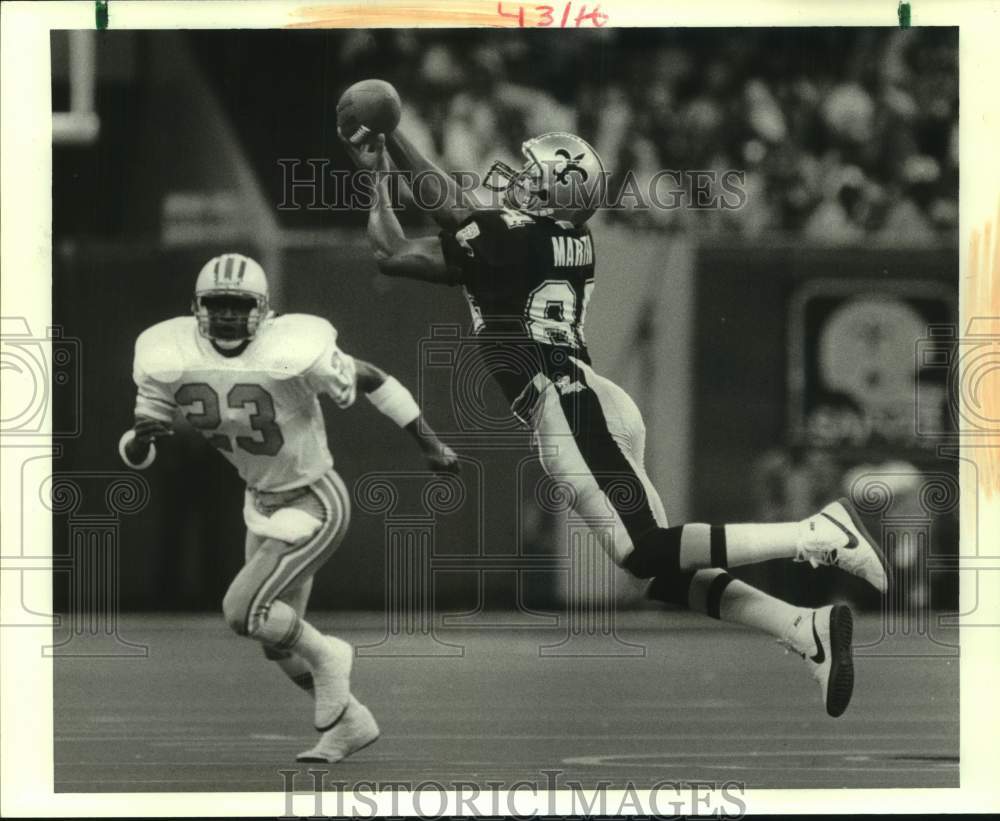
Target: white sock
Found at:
717, 594
298, 670
751, 543
743, 604
284, 630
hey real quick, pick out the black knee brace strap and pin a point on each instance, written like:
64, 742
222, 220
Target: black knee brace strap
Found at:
657, 553
713, 599
717, 546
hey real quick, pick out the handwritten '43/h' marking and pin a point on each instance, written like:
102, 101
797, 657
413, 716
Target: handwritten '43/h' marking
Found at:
546, 15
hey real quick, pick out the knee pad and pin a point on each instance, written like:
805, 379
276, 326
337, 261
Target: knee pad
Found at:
671, 589
235, 614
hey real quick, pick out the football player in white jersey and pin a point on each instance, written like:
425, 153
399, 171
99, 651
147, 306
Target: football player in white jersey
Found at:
528, 271
249, 381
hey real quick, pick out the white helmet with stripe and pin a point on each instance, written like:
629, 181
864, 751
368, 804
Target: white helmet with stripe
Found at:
231, 298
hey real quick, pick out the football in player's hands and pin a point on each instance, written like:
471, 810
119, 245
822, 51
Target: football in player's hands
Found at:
368, 107
442, 459
368, 153
148, 430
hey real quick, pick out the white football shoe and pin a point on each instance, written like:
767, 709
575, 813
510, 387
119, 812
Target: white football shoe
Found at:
836, 536
355, 731
823, 639
332, 683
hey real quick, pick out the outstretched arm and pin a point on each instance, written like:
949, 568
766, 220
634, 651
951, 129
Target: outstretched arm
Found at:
452, 205
155, 414
391, 398
396, 254
399, 256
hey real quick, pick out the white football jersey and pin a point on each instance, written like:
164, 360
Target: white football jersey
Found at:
260, 408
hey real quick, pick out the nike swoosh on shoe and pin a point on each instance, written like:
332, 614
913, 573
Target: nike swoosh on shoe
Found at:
852, 540
820, 656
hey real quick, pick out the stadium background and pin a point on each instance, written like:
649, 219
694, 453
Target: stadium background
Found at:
772, 349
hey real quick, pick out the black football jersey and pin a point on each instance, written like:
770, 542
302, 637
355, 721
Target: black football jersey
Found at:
527, 280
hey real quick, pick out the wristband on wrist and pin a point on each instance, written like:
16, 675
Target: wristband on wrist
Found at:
127, 437
395, 401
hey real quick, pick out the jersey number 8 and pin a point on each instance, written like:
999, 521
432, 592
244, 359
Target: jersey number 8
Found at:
551, 311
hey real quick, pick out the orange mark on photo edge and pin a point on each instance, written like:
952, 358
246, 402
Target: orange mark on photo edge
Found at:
981, 301
402, 15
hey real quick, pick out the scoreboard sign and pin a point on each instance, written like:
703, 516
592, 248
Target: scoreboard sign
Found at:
803, 351
856, 376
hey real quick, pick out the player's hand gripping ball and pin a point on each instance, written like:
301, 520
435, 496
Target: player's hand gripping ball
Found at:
366, 108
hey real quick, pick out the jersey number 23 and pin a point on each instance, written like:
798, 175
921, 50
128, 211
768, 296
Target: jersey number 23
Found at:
267, 439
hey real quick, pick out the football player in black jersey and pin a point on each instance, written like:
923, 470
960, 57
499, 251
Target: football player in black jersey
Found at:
527, 270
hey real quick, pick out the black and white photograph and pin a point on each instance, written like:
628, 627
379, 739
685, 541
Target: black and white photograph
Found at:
441, 415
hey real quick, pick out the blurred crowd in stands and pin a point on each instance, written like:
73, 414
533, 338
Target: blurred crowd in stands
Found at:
843, 134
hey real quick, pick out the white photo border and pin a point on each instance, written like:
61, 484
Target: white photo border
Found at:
26, 716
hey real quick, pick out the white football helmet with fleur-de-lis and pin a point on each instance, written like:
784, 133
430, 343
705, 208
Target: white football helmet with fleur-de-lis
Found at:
563, 177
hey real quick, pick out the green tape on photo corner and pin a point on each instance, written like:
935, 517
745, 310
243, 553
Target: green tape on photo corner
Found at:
101, 14
904, 15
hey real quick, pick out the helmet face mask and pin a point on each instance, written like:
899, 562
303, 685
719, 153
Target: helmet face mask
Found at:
499, 176
230, 299
523, 189
563, 177
227, 317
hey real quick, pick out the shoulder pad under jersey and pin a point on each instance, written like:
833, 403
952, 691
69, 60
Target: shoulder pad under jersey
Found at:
165, 350
496, 236
288, 345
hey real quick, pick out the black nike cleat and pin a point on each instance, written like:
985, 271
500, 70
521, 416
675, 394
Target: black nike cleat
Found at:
832, 663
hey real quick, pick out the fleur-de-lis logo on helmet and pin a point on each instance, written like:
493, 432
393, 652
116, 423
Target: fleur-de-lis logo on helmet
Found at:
568, 165
563, 178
